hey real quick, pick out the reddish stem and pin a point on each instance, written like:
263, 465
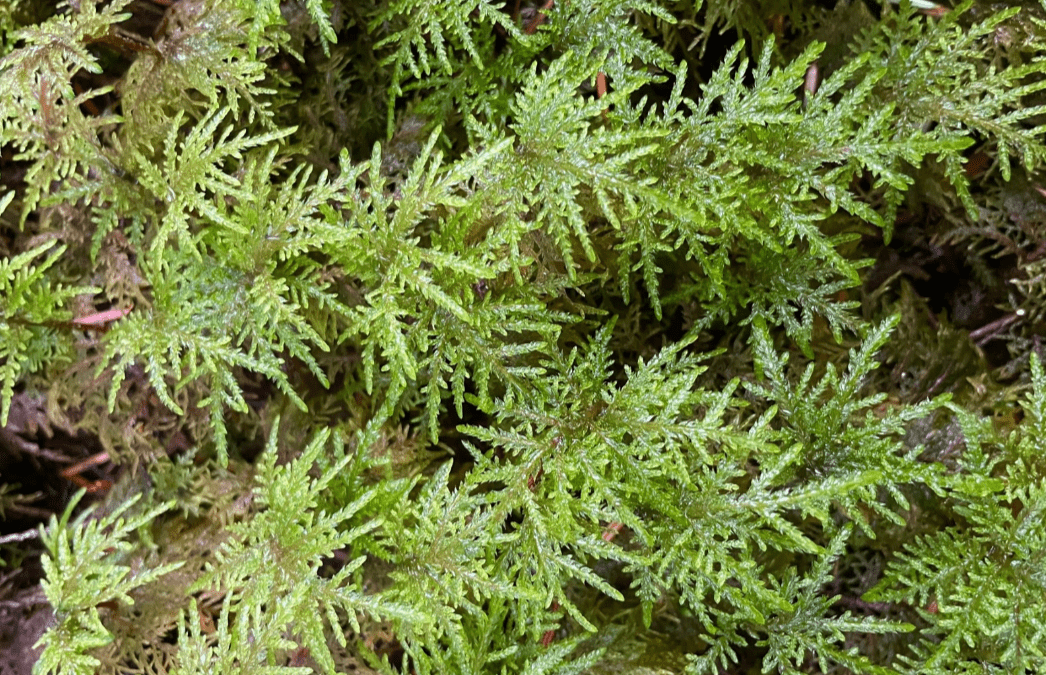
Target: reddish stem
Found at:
540, 18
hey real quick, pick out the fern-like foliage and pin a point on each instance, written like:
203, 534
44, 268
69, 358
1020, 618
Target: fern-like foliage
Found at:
262, 296
41, 113
263, 565
979, 584
432, 31
955, 97
579, 368
31, 338
86, 566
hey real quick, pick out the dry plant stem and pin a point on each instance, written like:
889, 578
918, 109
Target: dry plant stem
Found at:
990, 331
19, 536
777, 25
98, 321
540, 18
550, 635
613, 529
101, 318
88, 104
601, 89
811, 81
30, 511
12, 441
72, 473
125, 42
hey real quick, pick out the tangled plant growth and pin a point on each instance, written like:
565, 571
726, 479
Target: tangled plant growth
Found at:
460, 337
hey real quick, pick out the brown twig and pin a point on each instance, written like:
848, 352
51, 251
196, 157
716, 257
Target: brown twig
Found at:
87, 103
12, 441
540, 18
125, 42
989, 331
72, 473
601, 90
19, 536
97, 321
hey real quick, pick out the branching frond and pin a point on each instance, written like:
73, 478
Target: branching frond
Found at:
614, 353
31, 312
86, 566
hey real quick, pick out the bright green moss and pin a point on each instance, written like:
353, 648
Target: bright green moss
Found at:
575, 366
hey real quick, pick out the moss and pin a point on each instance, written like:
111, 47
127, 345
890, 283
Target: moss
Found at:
432, 337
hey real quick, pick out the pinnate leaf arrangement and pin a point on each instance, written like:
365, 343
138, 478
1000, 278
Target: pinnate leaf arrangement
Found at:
587, 336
